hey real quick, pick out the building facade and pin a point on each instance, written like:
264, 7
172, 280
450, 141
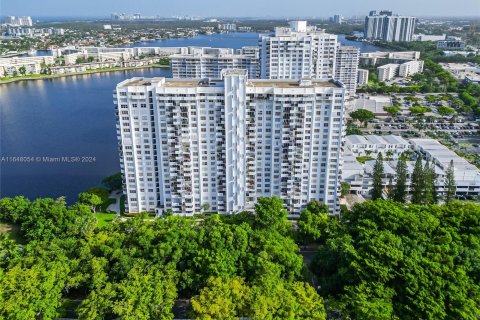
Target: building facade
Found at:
15, 66
428, 37
388, 71
297, 52
388, 27
451, 44
33, 32
379, 57
185, 143
362, 77
403, 70
19, 21
338, 19
227, 27
360, 175
410, 68
209, 62
346, 67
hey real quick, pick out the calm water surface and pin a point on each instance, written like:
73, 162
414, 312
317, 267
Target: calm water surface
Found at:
74, 117
64, 117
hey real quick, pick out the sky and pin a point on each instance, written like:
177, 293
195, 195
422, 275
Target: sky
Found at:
238, 8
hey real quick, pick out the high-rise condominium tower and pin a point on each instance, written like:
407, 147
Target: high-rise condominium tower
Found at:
19, 21
388, 27
297, 52
346, 67
185, 143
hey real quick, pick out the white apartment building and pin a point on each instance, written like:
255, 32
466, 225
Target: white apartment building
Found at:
360, 176
14, 69
388, 27
19, 21
362, 77
227, 27
346, 67
33, 65
338, 19
298, 52
378, 57
34, 32
406, 69
104, 54
467, 176
372, 145
427, 37
410, 68
189, 142
209, 62
388, 71
451, 43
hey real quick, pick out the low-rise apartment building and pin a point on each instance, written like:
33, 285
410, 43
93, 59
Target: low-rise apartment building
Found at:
205, 62
388, 71
360, 175
362, 77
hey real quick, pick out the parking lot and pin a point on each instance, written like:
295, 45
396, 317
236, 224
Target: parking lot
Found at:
410, 127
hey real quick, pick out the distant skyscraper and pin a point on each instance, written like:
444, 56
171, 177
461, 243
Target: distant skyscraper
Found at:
346, 67
19, 21
338, 19
388, 27
227, 27
297, 52
185, 143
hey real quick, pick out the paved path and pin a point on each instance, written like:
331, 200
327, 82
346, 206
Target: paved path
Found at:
115, 207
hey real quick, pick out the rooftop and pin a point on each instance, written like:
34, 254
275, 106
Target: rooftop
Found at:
374, 139
292, 83
444, 156
232, 72
135, 82
356, 139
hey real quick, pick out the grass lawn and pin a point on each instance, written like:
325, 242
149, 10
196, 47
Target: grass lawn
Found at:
12, 231
104, 219
363, 159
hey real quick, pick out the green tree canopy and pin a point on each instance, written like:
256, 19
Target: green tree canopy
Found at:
445, 111
418, 182
377, 190
400, 187
362, 115
450, 184
113, 182
419, 110
270, 213
391, 260
313, 219
92, 199
393, 111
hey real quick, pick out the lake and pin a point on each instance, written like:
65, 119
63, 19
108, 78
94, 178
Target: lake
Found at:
63, 117
45, 123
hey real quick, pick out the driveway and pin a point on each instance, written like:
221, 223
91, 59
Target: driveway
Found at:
115, 207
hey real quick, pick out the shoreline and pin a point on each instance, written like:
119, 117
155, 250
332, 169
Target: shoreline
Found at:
54, 76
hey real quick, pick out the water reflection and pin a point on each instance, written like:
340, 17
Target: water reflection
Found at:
62, 117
